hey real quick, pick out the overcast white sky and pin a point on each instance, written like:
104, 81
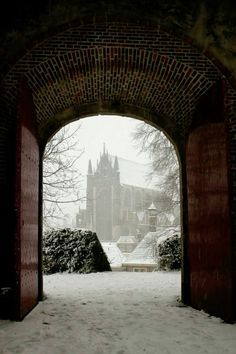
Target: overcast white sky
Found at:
114, 131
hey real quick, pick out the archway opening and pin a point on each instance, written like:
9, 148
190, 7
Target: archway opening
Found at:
124, 186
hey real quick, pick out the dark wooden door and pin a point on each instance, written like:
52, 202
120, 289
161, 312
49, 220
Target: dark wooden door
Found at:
209, 240
26, 205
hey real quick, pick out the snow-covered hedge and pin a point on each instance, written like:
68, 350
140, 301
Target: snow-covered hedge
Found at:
169, 252
73, 251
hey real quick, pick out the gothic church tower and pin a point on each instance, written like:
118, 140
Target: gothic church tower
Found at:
103, 196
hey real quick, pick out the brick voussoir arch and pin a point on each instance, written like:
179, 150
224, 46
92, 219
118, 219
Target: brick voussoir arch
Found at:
126, 38
49, 128
128, 75
145, 33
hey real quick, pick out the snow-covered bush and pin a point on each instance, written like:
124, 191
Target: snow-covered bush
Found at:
73, 251
169, 253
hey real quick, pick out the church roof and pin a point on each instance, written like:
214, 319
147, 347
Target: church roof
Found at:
131, 173
134, 173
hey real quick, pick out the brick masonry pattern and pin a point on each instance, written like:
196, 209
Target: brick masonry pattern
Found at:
141, 66
117, 61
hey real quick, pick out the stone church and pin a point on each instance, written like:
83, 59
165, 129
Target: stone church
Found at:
118, 199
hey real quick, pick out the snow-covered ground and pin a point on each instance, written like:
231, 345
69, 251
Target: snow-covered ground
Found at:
116, 313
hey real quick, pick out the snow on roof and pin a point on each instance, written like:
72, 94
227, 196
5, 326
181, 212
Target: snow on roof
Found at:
143, 253
165, 232
127, 239
134, 173
114, 254
152, 207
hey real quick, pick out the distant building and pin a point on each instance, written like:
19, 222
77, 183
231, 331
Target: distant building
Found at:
118, 199
142, 259
114, 254
127, 244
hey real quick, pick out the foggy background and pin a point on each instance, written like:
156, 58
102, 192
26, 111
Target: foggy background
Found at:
116, 133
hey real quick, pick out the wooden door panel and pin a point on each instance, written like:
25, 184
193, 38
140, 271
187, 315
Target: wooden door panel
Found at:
209, 240
27, 191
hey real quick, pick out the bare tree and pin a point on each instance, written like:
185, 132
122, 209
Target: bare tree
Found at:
61, 179
164, 163
163, 157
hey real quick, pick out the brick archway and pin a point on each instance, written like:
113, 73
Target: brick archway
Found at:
129, 68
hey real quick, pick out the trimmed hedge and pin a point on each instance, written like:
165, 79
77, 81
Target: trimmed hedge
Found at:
169, 252
67, 250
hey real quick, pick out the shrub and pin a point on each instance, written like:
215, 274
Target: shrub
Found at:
73, 251
169, 252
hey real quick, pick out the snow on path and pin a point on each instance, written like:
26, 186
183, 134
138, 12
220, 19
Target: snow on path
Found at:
116, 313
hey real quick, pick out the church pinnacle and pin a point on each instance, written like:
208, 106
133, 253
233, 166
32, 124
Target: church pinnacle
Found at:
90, 170
116, 164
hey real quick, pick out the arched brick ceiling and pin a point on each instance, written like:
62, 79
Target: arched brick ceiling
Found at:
129, 64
